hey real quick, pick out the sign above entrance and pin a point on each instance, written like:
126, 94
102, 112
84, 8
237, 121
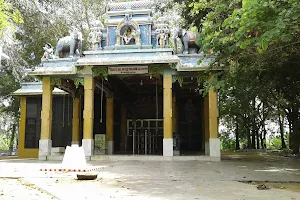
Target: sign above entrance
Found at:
128, 70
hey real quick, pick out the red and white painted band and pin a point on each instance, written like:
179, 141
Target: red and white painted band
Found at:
71, 170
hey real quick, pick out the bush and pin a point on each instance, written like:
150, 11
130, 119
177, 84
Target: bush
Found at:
227, 143
274, 143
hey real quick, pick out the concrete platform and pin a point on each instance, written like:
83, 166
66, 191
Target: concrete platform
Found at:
149, 158
139, 158
148, 180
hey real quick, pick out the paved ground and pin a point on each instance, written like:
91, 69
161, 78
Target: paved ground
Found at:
152, 180
17, 189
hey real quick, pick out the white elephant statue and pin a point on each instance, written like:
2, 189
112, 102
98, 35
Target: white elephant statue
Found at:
69, 45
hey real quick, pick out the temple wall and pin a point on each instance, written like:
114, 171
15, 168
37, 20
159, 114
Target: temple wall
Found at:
111, 40
144, 34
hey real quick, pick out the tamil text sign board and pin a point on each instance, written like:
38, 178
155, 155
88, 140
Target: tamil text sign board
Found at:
128, 70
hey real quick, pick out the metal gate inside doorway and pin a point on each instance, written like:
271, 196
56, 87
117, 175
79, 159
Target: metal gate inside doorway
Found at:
144, 136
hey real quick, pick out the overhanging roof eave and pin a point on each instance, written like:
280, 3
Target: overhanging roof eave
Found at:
99, 62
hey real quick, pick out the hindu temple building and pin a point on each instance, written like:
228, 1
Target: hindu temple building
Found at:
130, 93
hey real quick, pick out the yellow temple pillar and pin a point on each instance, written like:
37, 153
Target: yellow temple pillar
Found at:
88, 116
176, 152
174, 114
110, 125
22, 127
213, 113
206, 125
45, 143
123, 126
168, 122
22, 151
75, 123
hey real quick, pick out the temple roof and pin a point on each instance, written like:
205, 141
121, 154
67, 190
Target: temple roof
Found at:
53, 71
68, 66
194, 62
129, 5
128, 57
63, 66
35, 88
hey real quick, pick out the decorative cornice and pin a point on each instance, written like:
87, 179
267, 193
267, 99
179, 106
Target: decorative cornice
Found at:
80, 68
173, 65
131, 12
179, 79
129, 5
155, 70
78, 81
200, 78
56, 82
100, 72
140, 22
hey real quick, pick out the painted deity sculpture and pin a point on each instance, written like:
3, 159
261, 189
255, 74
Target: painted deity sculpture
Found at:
162, 33
162, 38
128, 37
49, 52
128, 32
95, 36
69, 45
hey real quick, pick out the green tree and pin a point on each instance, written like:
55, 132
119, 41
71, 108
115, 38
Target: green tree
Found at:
258, 41
10, 77
47, 21
8, 15
44, 22
227, 142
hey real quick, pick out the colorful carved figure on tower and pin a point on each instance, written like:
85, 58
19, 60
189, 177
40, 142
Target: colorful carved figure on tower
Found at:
162, 33
128, 37
49, 52
95, 36
161, 37
128, 32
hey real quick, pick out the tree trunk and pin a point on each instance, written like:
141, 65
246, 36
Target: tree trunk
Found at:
12, 139
295, 124
237, 141
248, 138
257, 139
283, 145
253, 138
290, 133
264, 140
253, 120
263, 127
261, 140
295, 137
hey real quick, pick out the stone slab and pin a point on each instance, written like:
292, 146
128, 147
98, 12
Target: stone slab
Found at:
88, 146
45, 148
58, 149
110, 147
215, 148
168, 147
